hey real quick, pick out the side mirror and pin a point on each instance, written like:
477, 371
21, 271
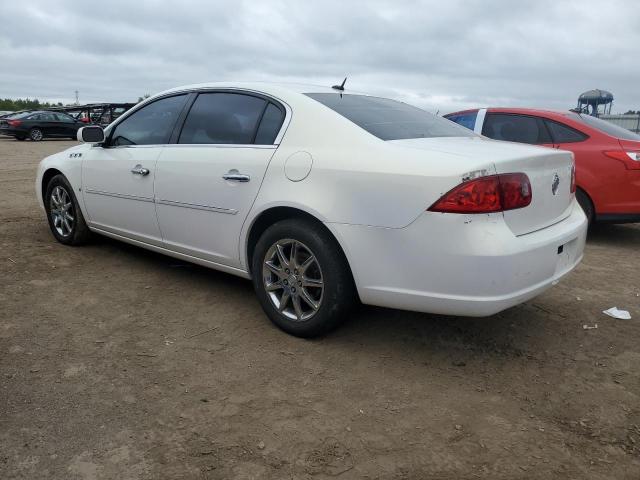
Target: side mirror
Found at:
91, 134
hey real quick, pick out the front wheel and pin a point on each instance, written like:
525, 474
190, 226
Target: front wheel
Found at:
302, 278
63, 213
36, 134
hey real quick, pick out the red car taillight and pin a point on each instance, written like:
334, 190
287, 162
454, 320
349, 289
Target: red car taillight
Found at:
494, 193
573, 178
14, 123
631, 159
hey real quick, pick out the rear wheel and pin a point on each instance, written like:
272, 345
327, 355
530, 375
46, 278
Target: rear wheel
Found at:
36, 134
302, 278
20, 138
586, 204
63, 213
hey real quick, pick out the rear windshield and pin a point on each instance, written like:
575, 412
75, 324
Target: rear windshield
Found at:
388, 119
606, 127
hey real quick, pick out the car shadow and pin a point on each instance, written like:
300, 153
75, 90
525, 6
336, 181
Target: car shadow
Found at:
396, 332
624, 235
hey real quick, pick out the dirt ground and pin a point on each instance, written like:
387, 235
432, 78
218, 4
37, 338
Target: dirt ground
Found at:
118, 363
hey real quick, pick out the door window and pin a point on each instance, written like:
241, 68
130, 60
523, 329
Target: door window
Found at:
222, 118
151, 125
64, 118
269, 125
515, 128
564, 134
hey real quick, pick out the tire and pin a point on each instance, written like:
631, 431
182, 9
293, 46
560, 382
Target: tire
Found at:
586, 204
36, 134
319, 276
21, 138
63, 213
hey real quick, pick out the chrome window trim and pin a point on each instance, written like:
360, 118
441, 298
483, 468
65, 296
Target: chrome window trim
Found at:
283, 128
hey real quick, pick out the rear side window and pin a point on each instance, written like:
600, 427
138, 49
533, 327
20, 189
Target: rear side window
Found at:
222, 118
606, 127
269, 125
467, 119
388, 119
151, 125
564, 134
515, 128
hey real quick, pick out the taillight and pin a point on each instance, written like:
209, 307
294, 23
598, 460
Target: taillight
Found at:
573, 178
14, 123
631, 159
494, 193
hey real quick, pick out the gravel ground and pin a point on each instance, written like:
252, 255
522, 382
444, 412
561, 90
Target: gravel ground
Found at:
120, 363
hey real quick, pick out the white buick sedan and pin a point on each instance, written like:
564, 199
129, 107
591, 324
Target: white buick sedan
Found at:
322, 197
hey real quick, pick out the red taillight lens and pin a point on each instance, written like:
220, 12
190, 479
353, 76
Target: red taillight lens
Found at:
14, 123
573, 178
631, 159
494, 193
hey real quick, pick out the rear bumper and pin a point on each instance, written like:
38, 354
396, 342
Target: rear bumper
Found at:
458, 264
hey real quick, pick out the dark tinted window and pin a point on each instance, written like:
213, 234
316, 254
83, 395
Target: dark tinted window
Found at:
467, 120
47, 117
388, 119
269, 125
222, 118
64, 118
606, 127
151, 125
564, 134
515, 128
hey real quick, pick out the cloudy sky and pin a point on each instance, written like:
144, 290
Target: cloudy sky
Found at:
441, 55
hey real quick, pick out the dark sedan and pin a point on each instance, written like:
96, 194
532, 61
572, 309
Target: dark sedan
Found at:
38, 125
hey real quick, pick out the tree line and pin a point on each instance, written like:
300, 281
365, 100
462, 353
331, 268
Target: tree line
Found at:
12, 105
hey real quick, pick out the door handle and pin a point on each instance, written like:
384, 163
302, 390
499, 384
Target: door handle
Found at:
235, 176
140, 170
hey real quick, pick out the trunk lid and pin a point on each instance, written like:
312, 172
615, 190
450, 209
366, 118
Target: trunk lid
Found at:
549, 172
548, 169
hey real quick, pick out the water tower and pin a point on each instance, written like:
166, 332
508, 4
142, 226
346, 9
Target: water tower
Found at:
590, 102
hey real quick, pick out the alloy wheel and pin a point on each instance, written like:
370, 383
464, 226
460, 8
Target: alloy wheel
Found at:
292, 279
61, 208
36, 135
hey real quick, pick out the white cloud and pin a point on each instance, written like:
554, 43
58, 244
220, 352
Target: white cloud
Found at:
438, 55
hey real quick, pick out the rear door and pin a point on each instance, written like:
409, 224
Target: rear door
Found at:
206, 182
512, 127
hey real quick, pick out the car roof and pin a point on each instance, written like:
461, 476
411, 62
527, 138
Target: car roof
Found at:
522, 110
276, 89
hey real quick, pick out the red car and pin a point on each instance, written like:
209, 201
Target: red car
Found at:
607, 156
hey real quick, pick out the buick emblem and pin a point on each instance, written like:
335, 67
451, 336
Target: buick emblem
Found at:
555, 184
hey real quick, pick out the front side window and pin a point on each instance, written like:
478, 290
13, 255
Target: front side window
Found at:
388, 119
515, 128
222, 118
564, 134
467, 119
64, 118
151, 125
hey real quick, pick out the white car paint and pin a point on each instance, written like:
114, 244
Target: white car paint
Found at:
371, 194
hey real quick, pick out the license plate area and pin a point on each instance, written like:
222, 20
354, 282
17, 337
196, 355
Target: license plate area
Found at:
566, 254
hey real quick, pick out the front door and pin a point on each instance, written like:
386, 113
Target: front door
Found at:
206, 183
117, 178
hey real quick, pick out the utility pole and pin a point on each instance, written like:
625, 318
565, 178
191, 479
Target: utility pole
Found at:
77, 101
